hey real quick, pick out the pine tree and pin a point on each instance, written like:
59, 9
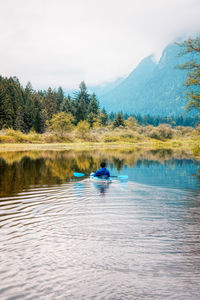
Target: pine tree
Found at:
2, 97
59, 98
67, 105
118, 121
39, 120
8, 121
93, 106
91, 118
81, 110
83, 93
49, 104
81, 103
19, 123
28, 109
112, 116
104, 117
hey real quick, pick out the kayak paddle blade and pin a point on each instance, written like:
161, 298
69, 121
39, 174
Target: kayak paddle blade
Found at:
78, 174
123, 177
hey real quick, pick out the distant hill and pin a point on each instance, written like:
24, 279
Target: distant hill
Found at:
151, 88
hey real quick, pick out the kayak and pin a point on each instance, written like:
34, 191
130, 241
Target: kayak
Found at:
120, 177
100, 180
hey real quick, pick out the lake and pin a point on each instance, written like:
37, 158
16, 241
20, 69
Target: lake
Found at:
63, 237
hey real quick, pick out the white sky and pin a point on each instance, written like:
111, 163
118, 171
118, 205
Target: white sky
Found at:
62, 42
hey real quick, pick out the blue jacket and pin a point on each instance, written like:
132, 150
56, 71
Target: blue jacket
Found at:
103, 172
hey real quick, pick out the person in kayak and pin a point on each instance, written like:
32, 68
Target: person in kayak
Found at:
102, 172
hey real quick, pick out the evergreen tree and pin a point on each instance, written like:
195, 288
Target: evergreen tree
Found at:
11, 97
39, 119
83, 94
19, 123
81, 110
28, 109
93, 106
112, 116
118, 121
67, 105
8, 113
49, 104
16, 96
59, 98
81, 103
104, 117
92, 118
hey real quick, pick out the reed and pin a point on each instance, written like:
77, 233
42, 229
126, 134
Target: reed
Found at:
161, 137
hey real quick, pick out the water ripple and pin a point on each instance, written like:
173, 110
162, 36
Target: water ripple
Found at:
83, 240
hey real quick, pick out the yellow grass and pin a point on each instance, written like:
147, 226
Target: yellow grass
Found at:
142, 137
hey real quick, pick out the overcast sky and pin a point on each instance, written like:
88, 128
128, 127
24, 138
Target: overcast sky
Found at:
62, 42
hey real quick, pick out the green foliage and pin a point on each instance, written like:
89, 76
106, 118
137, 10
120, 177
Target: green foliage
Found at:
161, 132
19, 122
59, 98
61, 123
93, 106
104, 117
131, 123
24, 109
81, 103
193, 76
13, 136
83, 129
49, 104
196, 150
67, 105
91, 118
118, 121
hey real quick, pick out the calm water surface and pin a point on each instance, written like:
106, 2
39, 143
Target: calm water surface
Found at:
68, 238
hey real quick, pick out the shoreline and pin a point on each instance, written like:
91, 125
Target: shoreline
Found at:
183, 144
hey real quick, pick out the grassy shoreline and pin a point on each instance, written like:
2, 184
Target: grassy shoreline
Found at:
182, 144
141, 138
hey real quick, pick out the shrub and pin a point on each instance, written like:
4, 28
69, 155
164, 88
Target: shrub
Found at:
161, 132
83, 129
185, 130
62, 122
14, 136
198, 130
109, 139
131, 123
196, 150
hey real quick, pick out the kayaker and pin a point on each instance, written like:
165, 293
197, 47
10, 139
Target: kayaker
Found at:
103, 172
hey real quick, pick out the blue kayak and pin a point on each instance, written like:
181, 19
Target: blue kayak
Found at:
99, 179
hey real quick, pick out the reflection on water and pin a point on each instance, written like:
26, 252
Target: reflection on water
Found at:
22, 170
68, 238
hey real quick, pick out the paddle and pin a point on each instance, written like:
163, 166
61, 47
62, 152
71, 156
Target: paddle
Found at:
119, 176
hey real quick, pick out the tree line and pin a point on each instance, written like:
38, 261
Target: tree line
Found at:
181, 120
25, 109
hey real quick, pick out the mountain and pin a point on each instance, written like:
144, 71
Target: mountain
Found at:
151, 88
105, 88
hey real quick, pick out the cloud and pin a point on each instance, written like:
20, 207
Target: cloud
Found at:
59, 42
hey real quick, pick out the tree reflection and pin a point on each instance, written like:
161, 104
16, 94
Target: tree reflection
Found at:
20, 170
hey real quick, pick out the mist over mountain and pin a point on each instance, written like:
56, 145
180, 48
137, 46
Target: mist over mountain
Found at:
155, 88
105, 88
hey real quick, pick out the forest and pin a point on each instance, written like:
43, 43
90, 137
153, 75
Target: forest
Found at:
25, 109
70, 118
